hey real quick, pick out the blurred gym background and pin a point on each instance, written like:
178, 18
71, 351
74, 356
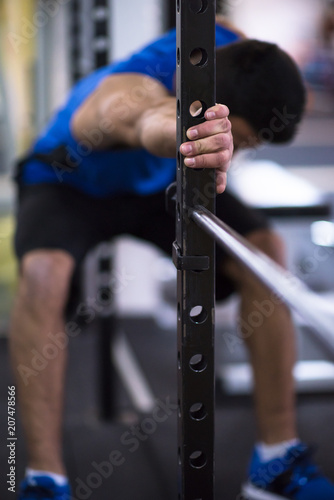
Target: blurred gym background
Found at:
46, 45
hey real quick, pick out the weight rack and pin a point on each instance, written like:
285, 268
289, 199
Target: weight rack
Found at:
194, 256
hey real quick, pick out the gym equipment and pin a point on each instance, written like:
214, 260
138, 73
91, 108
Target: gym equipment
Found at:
194, 259
90, 33
194, 256
287, 288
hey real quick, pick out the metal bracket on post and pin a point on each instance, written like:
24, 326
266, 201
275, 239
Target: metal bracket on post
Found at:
194, 256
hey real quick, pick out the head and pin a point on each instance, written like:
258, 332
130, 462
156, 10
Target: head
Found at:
263, 89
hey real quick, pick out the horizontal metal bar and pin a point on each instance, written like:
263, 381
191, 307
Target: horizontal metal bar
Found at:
316, 310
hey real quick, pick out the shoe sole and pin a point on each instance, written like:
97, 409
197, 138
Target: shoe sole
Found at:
250, 492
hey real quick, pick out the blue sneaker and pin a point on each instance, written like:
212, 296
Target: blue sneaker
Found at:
43, 488
292, 477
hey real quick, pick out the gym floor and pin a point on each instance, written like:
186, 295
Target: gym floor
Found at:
145, 463
110, 459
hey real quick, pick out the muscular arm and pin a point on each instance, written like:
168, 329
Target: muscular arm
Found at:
136, 111
128, 110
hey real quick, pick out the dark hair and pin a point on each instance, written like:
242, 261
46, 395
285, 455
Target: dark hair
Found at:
262, 84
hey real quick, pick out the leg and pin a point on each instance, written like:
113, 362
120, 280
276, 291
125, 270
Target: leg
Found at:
38, 311
271, 345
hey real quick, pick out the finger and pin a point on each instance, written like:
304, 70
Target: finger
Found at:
217, 111
221, 179
220, 159
209, 144
208, 128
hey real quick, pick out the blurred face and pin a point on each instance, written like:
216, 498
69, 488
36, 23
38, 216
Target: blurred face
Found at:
244, 136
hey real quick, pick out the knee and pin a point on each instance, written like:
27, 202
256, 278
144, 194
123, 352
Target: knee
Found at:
268, 242
44, 279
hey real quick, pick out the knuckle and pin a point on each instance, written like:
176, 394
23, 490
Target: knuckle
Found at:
223, 156
198, 147
201, 162
222, 108
218, 141
226, 126
223, 141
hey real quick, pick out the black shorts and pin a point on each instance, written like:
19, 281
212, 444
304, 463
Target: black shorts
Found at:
54, 216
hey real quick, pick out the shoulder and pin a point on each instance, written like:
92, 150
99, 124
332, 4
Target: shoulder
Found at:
156, 60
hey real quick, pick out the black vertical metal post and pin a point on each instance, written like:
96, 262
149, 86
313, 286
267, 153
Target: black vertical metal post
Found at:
107, 325
90, 49
101, 47
75, 33
194, 256
90, 36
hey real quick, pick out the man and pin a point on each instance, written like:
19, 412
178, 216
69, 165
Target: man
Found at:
99, 170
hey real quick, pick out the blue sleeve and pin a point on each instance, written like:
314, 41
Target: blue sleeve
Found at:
157, 60
225, 36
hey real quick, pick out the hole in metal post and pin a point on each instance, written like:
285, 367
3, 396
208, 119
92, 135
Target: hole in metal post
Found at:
198, 314
198, 57
104, 296
178, 56
198, 363
178, 108
198, 411
198, 6
197, 109
197, 459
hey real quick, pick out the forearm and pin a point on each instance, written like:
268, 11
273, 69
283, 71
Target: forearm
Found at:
157, 128
135, 111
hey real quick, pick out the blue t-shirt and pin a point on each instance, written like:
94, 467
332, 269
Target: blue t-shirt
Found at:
115, 171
